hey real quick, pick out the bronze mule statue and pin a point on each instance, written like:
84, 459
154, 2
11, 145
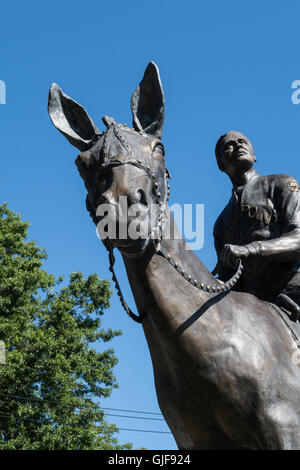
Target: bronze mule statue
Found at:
222, 360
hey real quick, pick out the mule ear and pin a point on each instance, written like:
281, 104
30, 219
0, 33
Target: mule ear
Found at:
148, 104
71, 119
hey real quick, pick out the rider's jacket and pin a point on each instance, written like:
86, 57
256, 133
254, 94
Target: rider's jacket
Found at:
266, 209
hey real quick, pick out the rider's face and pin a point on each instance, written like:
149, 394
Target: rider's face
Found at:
236, 152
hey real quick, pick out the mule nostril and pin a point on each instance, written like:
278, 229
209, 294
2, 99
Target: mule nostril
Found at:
142, 197
137, 197
106, 198
102, 200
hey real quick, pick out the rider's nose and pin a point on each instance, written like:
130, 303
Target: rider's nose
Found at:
239, 146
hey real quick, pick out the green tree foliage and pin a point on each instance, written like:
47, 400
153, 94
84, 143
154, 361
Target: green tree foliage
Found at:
53, 375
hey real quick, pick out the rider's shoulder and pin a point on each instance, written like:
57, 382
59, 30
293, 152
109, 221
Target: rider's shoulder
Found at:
281, 180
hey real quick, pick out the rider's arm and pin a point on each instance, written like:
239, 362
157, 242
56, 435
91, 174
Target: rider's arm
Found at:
285, 247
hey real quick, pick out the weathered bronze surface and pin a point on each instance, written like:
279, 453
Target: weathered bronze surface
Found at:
223, 367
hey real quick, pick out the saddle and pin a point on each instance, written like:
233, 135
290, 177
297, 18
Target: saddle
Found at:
289, 306
289, 312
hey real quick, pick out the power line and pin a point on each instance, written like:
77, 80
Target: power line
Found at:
42, 421
100, 427
40, 401
132, 411
83, 405
145, 430
134, 417
112, 414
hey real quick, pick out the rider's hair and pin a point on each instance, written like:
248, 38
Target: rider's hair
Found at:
218, 151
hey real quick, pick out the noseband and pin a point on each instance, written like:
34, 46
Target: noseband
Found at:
157, 239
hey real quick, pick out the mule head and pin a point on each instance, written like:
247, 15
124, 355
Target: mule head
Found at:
122, 168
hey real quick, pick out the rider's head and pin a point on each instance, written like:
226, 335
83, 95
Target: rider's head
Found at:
234, 152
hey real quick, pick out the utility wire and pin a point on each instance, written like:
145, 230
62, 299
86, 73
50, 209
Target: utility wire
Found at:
40, 401
100, 427
132, 411
134, 417
107, 414
42, 421
144, 430
83, 405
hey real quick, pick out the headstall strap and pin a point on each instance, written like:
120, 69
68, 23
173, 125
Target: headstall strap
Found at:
212, 289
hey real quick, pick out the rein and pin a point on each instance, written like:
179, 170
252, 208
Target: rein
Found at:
158, 239
221, 287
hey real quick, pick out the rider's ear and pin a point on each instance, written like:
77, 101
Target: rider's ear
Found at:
147, 103
71, 119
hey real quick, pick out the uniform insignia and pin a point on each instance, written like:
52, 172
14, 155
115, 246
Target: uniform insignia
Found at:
293, 186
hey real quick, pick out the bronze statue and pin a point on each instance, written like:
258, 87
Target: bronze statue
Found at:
260, 225
222, 359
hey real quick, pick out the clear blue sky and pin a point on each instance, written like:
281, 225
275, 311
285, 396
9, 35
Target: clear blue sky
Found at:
224, 65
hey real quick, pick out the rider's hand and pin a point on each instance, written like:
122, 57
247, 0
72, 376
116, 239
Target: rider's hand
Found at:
231, 253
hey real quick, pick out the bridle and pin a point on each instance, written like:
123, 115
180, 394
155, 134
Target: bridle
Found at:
156, 236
